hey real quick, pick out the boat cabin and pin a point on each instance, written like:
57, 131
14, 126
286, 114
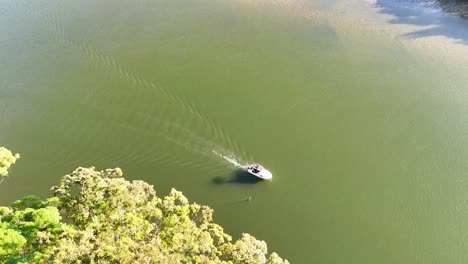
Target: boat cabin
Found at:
256, 168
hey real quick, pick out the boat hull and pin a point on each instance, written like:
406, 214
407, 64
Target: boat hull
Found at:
263, 174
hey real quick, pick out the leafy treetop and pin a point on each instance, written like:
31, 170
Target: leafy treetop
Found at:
112, 220
6, 160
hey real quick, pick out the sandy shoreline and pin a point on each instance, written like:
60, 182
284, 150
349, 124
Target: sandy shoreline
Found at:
417, 25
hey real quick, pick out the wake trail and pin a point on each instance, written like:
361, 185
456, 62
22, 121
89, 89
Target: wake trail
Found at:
202, 145
232, 159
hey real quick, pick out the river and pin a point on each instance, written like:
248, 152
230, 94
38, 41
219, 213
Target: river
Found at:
358, 107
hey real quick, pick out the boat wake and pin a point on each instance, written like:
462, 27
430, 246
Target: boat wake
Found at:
232, 159
147, 122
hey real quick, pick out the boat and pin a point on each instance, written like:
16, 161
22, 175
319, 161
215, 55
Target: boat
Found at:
259, 171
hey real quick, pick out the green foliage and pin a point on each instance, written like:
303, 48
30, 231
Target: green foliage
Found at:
11, 242
6, 160
30, 201
112, 220
37, 224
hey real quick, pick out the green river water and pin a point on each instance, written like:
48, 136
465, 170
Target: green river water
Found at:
359, 108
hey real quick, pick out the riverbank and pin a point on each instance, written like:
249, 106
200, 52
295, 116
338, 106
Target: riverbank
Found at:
455, 7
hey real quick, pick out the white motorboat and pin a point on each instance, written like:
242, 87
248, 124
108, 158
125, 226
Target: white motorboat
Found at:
259, 171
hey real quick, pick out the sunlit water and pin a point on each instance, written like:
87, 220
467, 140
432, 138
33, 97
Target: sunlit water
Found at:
359, 109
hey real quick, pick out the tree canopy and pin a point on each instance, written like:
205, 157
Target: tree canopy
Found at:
99, 217
6, 160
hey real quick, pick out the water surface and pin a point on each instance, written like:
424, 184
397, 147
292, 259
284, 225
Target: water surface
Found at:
358, 108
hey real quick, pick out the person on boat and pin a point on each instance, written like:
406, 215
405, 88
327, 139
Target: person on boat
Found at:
255, 168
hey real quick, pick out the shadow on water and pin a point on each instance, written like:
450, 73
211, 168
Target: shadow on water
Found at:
240, 176
419, 13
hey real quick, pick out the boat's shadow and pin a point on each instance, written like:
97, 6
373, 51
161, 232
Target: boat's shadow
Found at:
240, 176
